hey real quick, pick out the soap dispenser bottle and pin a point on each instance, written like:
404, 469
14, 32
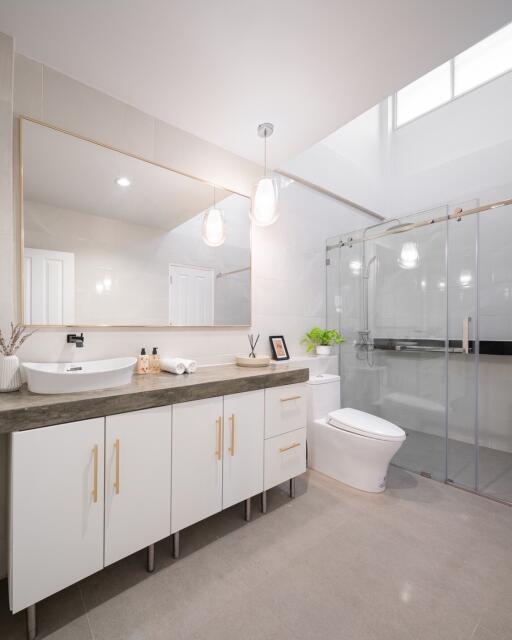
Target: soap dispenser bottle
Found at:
143, 362
154, 361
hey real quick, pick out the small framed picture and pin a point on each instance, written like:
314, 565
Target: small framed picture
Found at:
279, 350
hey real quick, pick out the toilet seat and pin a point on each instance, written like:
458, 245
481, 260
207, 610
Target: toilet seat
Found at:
365, 424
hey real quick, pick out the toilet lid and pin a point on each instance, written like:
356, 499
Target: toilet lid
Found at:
365, 424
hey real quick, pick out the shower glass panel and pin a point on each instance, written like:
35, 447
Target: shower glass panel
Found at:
408, 303
462, 378
386, 289
495, 361
425, 305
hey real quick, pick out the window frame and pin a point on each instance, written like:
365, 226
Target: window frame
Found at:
452, 97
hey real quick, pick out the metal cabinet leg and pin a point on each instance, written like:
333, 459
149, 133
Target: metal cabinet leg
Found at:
151, 558
248, 510
292, 488
264, 502
31, 622
176, 545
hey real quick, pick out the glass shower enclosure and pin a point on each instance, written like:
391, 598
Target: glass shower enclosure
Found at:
425, 305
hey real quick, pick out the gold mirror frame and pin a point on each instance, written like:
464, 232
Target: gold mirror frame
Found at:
21, 239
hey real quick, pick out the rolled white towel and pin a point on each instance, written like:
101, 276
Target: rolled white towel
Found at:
172, 365
190, 365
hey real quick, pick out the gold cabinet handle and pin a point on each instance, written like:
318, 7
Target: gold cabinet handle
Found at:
117, 484
233, 434
291, 446
95, 473
218, 452
291, 398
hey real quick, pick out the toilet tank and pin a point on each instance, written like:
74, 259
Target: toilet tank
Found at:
323, 395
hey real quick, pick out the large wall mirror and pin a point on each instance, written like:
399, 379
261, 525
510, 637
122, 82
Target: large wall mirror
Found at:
112, 240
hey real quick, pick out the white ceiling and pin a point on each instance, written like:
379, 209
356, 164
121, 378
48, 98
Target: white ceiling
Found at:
69, 173
218, 68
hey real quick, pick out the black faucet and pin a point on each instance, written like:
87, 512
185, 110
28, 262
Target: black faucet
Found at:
78, 341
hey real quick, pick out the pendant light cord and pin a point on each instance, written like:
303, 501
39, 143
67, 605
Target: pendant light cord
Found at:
266, 154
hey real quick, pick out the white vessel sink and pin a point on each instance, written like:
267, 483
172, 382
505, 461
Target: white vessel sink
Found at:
70, 377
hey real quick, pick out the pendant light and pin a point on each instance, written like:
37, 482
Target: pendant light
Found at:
213, 230
265, 195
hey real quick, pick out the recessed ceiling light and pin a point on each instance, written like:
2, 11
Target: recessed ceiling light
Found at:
123, 181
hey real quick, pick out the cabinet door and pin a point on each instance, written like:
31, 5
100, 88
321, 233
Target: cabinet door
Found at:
244, 416
137, 481
196, 461
56, 517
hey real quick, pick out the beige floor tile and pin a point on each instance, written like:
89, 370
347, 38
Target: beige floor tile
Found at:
60, 617
481, 633
422, 561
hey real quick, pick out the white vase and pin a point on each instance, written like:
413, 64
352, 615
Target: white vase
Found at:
323, 350
10, 375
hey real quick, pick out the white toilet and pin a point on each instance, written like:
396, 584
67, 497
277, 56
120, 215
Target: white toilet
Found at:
351, 446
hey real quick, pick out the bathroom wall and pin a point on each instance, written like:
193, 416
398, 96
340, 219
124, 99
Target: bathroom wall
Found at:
288, 279
288, 261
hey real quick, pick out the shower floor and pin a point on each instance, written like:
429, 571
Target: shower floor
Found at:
423, 452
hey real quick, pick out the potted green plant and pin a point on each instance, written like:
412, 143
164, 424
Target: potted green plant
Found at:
322, 340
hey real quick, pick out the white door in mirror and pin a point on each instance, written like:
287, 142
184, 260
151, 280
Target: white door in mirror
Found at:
62, 377
49, 282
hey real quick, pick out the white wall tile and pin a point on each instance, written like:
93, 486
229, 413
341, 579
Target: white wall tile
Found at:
185, 152
28, 87
137, 133
75, 107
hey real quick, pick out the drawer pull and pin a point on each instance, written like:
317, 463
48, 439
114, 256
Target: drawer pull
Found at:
95, 473
218, 452
116, 481
291, 446
233, 428
291, 398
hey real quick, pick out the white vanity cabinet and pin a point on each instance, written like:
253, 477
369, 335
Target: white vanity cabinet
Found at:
137, 481
285, 433
86, 494
196, 461
242, 464
56, 519
217, 455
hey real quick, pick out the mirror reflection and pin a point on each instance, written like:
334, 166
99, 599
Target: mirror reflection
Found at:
110, 239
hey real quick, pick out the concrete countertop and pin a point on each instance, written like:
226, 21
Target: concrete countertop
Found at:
20, 410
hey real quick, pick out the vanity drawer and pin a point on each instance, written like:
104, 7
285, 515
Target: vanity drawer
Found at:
285, 457
285, 409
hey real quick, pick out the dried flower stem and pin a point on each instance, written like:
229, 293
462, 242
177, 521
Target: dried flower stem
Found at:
19, 334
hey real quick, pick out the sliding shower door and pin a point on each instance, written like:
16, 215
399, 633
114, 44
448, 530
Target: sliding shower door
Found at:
409, 336
463, 353
494, 476
425, 304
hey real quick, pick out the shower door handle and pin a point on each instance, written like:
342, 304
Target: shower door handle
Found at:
465, 335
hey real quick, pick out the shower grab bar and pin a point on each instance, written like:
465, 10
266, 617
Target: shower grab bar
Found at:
418, 347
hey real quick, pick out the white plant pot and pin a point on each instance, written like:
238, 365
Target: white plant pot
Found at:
322, 350
10, 375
